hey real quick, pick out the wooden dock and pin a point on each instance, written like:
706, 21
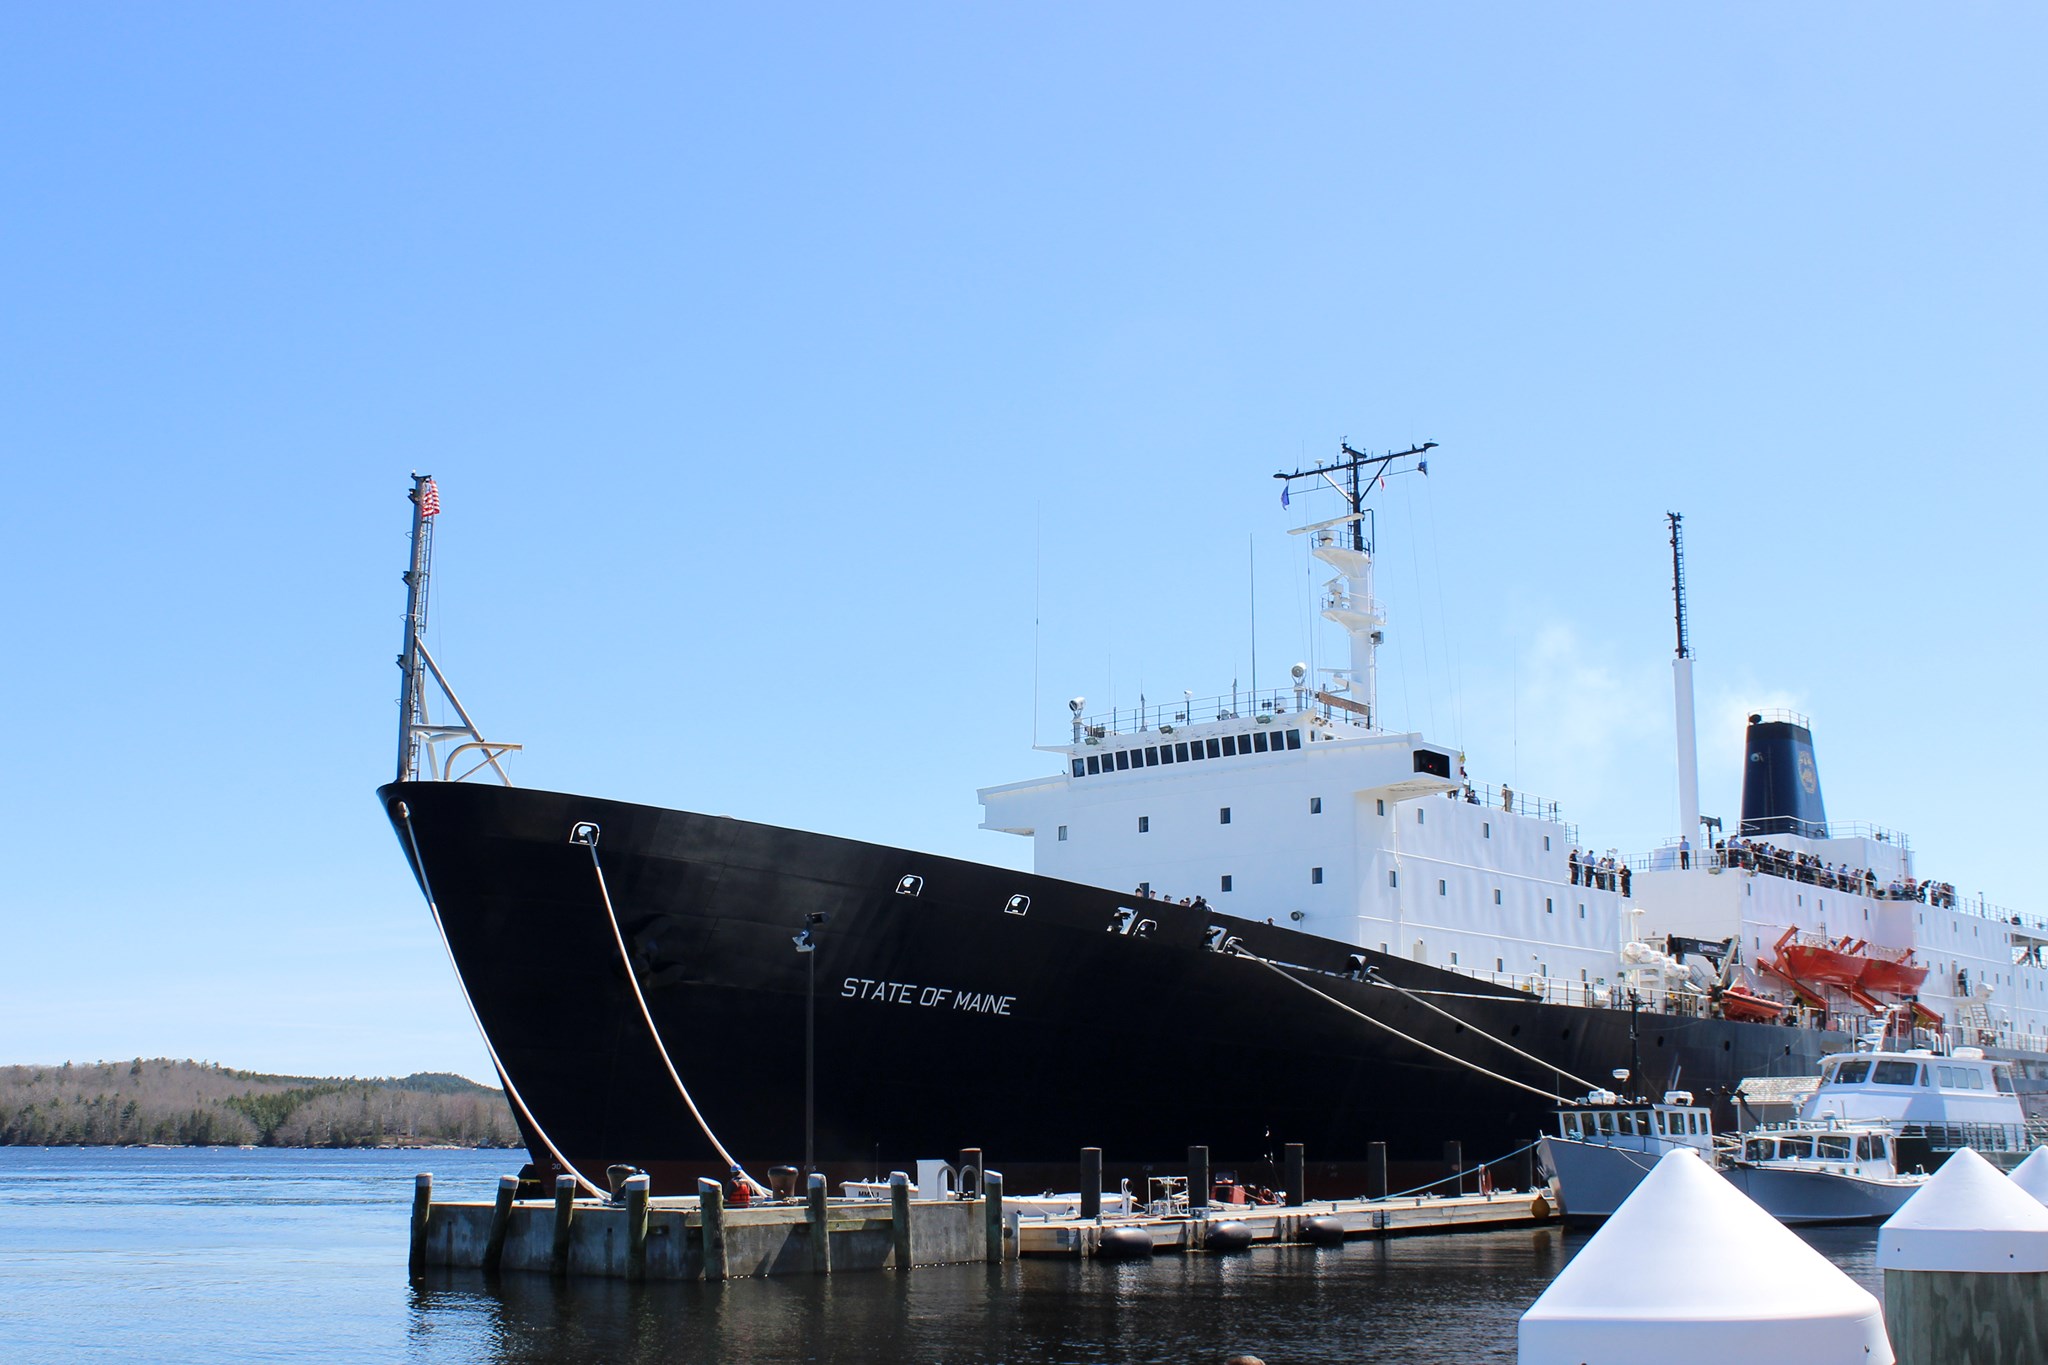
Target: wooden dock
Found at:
635, 1237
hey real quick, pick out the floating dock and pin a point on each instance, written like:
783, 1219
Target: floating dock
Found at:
636, 1237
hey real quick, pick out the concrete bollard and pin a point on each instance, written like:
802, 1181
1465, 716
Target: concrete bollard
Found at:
1376, 1170
501, 1219
1296, 1175
818, 1214
422, 1204
711, 1228
899, 1218
565, 1215
636, 1227
1091, 1182
1965, 1264
1454, 1157
1198, 1178
992, 1213
970, 1172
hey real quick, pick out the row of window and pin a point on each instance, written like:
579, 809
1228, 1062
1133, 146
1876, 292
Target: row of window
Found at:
1188, 751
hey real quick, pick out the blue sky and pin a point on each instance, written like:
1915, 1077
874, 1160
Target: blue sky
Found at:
801, 382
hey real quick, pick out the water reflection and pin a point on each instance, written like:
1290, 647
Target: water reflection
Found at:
1416, 1300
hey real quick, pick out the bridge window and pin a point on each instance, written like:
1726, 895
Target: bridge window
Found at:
1094, 764
1180, 751
1895, 1073
1080, 768
1123, 759
1215, 747
1152, 756
1230, 746
1259, 741
1294, 739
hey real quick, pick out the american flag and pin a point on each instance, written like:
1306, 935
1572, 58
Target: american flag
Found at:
430, 499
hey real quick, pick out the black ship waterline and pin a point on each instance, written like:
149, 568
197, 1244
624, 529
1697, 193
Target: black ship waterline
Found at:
960, 1005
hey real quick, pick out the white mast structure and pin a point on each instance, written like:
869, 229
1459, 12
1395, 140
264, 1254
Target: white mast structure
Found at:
1348, 599
418, 737
1681, 688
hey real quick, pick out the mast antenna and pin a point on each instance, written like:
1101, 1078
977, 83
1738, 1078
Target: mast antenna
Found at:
1681, 692
1348, 599
418, 737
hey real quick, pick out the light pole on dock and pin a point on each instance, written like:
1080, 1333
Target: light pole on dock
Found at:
809, 948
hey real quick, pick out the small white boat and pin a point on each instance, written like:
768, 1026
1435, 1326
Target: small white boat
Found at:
1826, 1173
1603, 1148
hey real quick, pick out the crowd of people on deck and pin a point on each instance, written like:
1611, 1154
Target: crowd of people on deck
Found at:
1757, 856
1602, 873
1146, 893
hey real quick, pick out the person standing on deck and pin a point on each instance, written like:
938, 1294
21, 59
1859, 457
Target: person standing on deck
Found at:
1573, 863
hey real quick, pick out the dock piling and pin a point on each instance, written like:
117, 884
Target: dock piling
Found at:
1376, 1170
1297, 1175
501, 1219
711, 1229
899, 1218
819, 1217
992, 1213
636, 1227
1091, 1182
422, 1202
1198, 1178
565, 1214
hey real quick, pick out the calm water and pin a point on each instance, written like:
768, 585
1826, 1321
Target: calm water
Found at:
228, 1256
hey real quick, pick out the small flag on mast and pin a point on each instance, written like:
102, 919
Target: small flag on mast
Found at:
430, 499
1283, 495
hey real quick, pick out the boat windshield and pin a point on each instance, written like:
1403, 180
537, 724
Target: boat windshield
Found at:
1759, 1149
1836, 1147
1851, 1072
1890, 1072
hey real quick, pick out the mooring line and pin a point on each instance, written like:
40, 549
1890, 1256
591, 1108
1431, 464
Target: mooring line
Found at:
426, 885
1376, 979
626, 960
1284, 975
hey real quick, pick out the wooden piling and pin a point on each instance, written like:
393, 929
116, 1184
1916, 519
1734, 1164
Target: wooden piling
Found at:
818, 1214
1375, 1170
636, 1227
711, 1228
1198, 1178
1297, 1175
501, 1219
565, 1214
992, 1213
899, 1217
1091, 1182
1949, 1317
422, 1202
970, 1172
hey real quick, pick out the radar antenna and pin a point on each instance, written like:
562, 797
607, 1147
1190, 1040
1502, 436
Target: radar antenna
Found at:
1348, 599
418, 737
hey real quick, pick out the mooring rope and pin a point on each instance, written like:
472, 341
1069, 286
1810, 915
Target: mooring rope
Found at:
626, 960
1376, 979
1459, 1175
420, 866
1284, 975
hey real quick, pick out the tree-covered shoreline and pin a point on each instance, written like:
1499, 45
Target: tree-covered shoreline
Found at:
161, 1102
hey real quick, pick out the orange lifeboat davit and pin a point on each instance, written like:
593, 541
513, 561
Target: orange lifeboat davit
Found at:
1892, 971
1744, 1006
1812, 957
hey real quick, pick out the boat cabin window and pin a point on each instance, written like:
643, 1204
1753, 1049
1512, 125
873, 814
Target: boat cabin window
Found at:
1759, 1149
1852, 1072
1870, 1149
1606, 1123
1836, 1147
1895, 1073
2001, 1076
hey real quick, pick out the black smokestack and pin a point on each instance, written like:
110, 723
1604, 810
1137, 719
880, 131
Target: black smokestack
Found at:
1781, 782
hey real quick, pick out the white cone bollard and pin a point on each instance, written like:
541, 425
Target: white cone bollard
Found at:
1965, 1264
1690, 1271
2031, 1175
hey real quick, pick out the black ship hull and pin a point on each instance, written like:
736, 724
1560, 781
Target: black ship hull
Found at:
945, 1019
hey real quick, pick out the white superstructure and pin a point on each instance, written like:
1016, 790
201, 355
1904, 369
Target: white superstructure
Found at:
1298, 807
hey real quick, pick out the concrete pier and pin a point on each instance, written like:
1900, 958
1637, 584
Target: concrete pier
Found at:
702, 1238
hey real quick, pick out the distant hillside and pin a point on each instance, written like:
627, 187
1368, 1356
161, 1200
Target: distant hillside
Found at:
200, 1104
